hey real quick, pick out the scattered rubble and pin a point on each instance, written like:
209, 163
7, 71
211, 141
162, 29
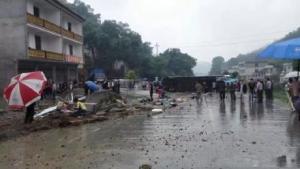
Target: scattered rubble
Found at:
101, 106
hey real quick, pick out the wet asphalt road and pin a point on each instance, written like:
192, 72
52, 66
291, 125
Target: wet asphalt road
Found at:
210, 135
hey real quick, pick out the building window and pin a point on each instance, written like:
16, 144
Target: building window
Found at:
36, 11
38, 42
70, 26
70, 49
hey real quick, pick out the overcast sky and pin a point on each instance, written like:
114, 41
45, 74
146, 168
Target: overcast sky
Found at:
205, 28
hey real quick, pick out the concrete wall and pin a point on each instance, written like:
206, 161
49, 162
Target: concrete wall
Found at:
29, 6
31, 40
12, 38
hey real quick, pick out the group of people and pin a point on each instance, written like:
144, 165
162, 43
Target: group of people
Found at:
113, 85
52, 88
255, 88
156, 87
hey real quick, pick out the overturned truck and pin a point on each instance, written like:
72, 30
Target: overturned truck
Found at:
187, 84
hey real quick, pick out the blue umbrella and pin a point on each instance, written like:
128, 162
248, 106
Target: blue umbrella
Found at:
289, 49
92, 86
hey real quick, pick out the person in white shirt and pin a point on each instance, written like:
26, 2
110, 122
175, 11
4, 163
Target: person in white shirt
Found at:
259, 91
54, 90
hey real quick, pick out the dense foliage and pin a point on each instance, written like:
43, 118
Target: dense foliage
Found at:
217, 65
116, 48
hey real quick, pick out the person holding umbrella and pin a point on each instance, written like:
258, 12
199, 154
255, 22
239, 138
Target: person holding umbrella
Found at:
289, 49
24, 91
30, 111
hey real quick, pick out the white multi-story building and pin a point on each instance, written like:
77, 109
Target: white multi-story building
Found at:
257, 70
40, 35
287, 68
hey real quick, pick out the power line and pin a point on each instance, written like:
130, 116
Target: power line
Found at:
217, 43
228, 43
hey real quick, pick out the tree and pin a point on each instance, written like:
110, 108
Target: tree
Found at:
235, 74
131, 75
173, 62
111, 42
217, 65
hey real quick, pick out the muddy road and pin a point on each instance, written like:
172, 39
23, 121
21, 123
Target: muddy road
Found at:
236, 134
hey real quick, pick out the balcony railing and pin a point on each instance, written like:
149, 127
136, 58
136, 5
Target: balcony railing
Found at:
67, 33
36, 54
52, 27
40, 54
74, 59
71, 35
55, 56
35, 20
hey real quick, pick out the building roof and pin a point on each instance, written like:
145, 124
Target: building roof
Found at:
66, 8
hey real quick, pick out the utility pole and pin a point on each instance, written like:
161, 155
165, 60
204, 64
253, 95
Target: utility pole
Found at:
156, 47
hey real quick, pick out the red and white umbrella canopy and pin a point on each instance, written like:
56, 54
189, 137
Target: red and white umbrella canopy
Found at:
25, 89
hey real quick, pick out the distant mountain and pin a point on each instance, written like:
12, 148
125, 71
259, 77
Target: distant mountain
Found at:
202, 68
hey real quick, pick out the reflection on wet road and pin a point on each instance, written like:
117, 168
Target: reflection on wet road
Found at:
210, 135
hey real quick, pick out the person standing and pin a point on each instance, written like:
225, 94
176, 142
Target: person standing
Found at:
295, 90
30, 111
214, 86
151, 90
289, 87
118, 86
259, 91
268, 89
244, 88
86, 89
199, 90
54, 90
222, 89
251, 85
232, 88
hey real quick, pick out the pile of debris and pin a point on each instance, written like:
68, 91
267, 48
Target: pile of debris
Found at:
101, 106
112, 104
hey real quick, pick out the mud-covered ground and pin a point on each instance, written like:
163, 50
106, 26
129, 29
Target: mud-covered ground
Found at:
103, 106
212, 134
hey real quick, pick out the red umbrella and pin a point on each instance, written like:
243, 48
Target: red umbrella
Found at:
25, 89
